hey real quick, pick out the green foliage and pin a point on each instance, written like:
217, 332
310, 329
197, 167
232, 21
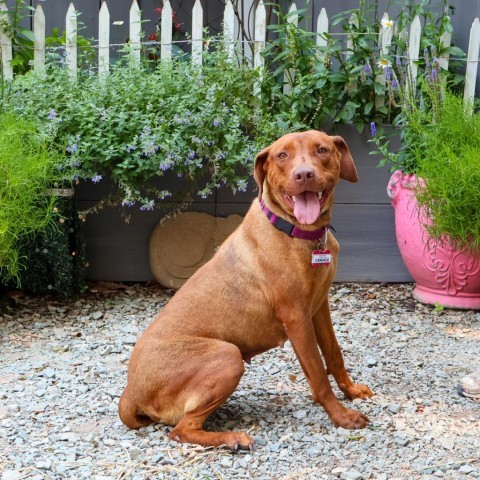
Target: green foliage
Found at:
22, 38
28, 166
441, 145
86, 54
55, 259
137, 124
449, 164
339, 82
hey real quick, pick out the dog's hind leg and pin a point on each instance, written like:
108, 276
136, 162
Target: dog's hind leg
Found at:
214, 378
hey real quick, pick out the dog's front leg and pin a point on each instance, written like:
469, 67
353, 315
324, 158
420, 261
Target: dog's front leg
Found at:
327, 341
301, 334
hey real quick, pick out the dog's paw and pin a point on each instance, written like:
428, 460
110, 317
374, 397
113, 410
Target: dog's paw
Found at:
350, 419
357, 390
239, 441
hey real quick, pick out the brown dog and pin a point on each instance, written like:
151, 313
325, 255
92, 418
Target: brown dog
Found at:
259, 290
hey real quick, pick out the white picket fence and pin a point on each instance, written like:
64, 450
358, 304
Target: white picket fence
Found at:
229, 22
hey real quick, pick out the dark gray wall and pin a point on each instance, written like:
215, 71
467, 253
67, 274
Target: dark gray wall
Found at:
363, 219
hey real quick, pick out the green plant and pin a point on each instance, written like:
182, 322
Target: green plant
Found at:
22, 38
441, 146
56, 42
55, 258
12, 21
340, 82
137, 124
450, 169
28, 166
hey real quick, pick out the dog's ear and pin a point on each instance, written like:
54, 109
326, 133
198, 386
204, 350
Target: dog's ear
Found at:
348, 170
259, 172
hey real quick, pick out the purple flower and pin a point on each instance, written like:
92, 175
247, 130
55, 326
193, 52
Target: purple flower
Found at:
434, 74
96, 178
191, 154
368, 68
427, 60
52, 114
394, 84
242, 185
72, 148
131, 148
165, 165
128, 203
373, 129
148, 206
216, 122
388, 73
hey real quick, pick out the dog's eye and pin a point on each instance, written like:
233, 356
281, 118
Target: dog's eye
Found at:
282, 155
322, 150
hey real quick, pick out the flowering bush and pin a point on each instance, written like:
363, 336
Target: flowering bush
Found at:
418, 100
200, 124
441, 145
340, 82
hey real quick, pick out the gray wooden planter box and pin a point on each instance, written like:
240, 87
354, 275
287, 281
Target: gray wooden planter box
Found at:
363, 218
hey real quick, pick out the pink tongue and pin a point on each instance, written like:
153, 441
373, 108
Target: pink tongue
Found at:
307, 207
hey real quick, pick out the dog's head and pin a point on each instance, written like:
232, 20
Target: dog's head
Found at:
299, 171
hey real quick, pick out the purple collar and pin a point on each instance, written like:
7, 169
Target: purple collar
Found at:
290, 229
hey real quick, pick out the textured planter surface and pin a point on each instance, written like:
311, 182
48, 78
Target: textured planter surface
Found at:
442, 274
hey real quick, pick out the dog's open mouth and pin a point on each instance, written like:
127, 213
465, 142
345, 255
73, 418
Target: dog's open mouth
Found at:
307, 205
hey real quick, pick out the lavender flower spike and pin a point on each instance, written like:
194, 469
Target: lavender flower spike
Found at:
388, 73
373, 129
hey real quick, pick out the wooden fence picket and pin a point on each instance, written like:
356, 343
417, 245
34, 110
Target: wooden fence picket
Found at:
104, 40
229, 28
352, 87
71, 48
259, 36
5, 46
135, 33
166, 34
413, 52
385, 40
445, 42
39, 39
322, 28
197, 33
472, 62
289, 74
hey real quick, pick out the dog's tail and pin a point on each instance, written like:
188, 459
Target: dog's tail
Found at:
128, 413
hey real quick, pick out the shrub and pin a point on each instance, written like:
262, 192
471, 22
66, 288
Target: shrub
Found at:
28, 166
137, 124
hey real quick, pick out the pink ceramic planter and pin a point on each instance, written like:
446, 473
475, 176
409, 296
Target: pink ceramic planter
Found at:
443, 275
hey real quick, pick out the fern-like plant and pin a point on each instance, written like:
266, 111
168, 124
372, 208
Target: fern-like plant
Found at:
28, 166
450, 168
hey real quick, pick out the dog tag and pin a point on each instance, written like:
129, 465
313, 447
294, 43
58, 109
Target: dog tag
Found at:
321, 257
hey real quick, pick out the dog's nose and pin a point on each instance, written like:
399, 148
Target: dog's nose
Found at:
303, 173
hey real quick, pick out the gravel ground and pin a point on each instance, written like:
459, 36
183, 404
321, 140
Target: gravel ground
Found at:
64, 366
